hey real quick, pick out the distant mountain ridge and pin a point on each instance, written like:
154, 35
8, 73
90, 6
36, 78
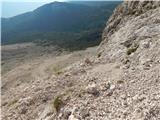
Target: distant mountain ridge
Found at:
53, 18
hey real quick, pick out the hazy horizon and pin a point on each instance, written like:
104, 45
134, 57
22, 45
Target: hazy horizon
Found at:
15, 7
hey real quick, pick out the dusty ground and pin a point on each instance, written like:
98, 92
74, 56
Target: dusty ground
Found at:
19, 54
22, 63
41, 61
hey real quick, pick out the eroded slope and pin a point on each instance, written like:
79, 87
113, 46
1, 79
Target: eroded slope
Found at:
122, 82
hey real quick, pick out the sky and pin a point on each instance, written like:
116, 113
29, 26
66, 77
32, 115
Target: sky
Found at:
31, 0
12, 8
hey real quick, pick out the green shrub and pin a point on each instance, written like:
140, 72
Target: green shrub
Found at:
58, 103
81, 93
57, 70
132, 49
120, 82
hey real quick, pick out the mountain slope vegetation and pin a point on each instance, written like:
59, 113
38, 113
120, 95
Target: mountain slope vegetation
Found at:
62, 24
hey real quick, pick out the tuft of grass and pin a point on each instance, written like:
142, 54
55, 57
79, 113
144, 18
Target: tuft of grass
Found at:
12, 102
120, 82
58, 103
81, 93
132, 49
57, 70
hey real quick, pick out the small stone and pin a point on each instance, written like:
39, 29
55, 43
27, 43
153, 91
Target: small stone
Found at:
71, 117
146, 44
108, 85
112, 87
109, 93
87, 61
92, 89
123, 96
67, 114
85, 113
23, 111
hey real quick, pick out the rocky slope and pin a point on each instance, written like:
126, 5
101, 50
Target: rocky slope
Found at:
121, 83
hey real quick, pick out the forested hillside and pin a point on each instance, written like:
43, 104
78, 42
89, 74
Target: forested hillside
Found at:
66, 25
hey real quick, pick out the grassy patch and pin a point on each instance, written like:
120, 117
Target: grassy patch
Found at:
57, 70
120, 82
12, 102
58, 103
132, 49
81, 93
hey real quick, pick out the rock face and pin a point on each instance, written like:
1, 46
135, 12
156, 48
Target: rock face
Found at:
121, 83
126, 11
132, 32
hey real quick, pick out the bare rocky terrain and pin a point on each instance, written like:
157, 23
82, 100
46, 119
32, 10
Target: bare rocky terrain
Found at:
17, 54
23, 64
121, 81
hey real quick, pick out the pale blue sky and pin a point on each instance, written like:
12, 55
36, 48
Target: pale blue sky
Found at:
31, 0
12, 8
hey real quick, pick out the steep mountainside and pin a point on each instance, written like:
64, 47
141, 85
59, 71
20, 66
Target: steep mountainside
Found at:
121, 83
59, 23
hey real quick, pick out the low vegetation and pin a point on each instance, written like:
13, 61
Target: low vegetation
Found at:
12, 102
46, 28
132, 49
120, 82
58, 103
57, 70
81, 93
